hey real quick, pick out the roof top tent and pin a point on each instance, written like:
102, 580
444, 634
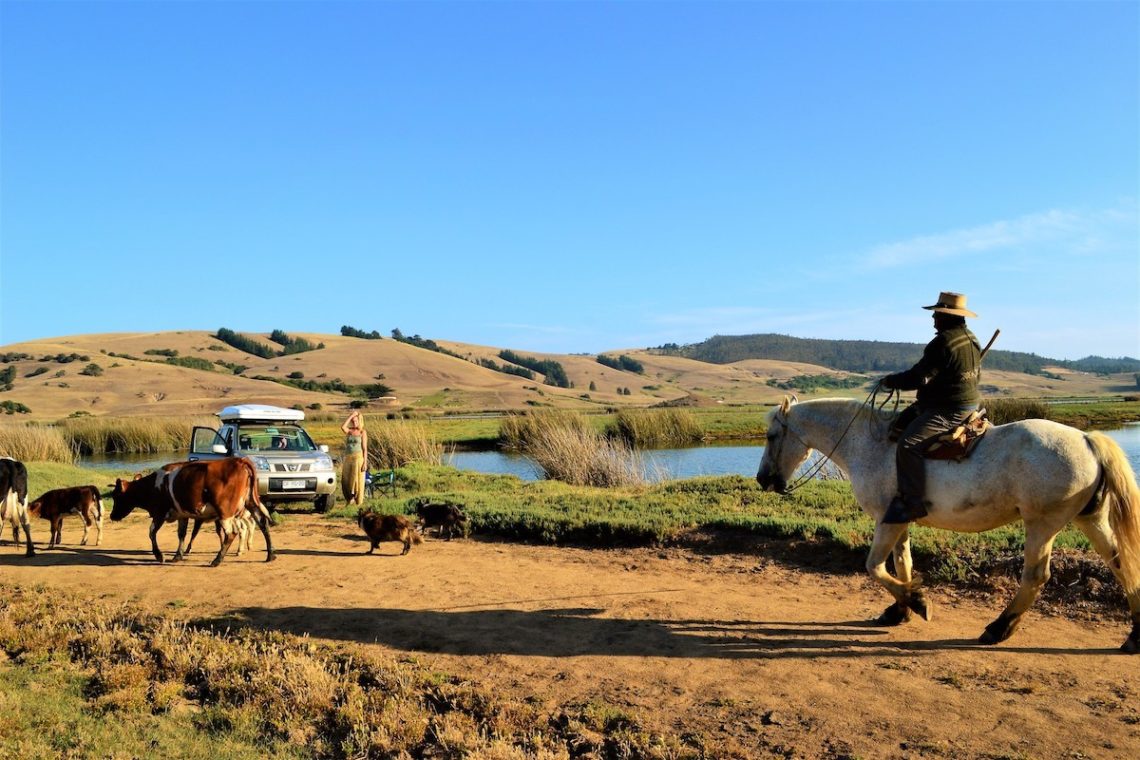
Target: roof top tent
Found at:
260, 413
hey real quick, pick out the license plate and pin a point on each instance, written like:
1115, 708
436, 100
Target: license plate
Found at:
293, 485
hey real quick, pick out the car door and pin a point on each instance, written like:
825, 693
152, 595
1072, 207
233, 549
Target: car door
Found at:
206, 444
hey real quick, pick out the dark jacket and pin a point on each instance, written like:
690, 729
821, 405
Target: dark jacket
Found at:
946, 377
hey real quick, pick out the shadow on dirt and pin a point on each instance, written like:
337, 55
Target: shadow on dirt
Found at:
573, 632
82, 556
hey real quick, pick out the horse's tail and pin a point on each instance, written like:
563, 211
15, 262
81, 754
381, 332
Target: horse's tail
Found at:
1124, 506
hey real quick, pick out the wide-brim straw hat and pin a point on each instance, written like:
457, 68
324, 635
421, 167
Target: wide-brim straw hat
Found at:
951, 303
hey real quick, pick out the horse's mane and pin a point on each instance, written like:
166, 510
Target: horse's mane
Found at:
859, 412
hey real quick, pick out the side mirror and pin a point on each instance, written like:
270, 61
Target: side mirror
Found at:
218, 448
324, 447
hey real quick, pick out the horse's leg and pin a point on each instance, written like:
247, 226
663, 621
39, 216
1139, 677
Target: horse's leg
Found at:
1038, 548
899, 612
154, 526
1103, 539
906, 594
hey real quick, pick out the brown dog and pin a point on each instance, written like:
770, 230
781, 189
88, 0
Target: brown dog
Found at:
388, 528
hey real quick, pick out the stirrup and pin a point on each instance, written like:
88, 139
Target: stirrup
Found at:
902, 510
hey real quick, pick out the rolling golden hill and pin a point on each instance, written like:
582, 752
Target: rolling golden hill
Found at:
125, 374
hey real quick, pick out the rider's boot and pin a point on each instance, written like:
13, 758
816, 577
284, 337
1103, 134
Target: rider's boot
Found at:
904, 509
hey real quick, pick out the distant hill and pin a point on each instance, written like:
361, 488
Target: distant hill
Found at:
199, 372
871, 356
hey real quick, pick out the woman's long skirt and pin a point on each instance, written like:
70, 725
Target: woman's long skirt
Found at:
352, 479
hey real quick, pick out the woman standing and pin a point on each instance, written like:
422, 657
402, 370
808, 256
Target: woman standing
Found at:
355, 458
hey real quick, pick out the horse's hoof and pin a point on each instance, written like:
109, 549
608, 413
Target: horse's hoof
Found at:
917, 602
896, 614
215, 563
998, 631
1131, 645
271, 556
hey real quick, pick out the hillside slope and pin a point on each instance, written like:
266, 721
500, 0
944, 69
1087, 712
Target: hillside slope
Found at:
51, 378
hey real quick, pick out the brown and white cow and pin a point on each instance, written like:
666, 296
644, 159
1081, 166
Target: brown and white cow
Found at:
14, 500
218, 490
84, 501
246, 523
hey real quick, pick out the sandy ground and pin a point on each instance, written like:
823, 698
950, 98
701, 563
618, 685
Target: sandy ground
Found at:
756, 654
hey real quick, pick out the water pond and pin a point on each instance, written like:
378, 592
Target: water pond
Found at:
659, 464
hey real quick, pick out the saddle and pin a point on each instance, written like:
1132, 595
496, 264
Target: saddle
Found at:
957, 444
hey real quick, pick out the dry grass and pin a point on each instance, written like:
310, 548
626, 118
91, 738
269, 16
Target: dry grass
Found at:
657, 428
130, 435
396, 443
521, 431
586, 458
290, 695
35, 443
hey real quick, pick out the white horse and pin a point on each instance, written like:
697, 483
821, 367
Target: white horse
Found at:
1043, 473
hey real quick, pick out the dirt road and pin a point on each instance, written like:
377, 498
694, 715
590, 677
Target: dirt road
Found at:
772, 659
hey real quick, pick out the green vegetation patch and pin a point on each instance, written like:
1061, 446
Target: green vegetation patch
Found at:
813, 383
553, 371
623, 362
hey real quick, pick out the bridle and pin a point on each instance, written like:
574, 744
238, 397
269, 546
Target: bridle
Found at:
816, 468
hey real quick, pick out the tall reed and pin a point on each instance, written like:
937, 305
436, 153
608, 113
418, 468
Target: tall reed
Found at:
35, 443
657, 428
519, 432
396, 443
584, 457
129, 435
999, 411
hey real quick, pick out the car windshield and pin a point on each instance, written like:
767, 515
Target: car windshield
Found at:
274, 437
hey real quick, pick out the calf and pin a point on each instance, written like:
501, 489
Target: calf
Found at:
77, 500
14, 500
219, 490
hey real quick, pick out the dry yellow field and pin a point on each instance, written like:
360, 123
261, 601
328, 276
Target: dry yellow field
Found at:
136, 383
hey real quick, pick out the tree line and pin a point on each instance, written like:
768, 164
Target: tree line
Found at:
870, 356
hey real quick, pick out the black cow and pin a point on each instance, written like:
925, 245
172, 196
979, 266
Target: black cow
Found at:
14, 500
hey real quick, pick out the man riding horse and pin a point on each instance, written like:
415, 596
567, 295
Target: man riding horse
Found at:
946, 381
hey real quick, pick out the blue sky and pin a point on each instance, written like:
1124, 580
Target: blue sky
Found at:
572, 177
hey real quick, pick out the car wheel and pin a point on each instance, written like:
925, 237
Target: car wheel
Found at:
325, 502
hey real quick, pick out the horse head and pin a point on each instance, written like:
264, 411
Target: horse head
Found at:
784, 451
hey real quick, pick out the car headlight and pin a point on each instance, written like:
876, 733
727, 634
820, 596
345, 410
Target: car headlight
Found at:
260, 463
324, 462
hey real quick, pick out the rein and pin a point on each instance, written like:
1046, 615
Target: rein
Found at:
815, 469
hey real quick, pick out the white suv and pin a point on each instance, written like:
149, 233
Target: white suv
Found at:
290, 467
